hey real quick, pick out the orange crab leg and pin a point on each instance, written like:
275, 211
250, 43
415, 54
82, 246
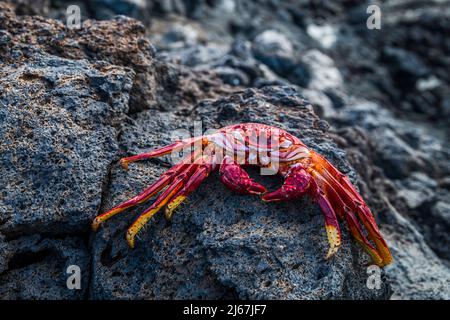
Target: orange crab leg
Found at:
156, 187
345, 213
375, 235
358, 234
365, 216
176, 146
142, 197
357, 204
331, 222
340, 177
181, 195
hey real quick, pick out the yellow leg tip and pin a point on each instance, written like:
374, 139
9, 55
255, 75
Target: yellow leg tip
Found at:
172, 205
331, 252
334, 240
168, 214
124, 164
130, 239
95, 225
377, 260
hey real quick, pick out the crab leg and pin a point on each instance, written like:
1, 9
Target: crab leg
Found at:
142, 197
200, 174
177, 184
153, 189
331, 221
345, 213
176, 146
346, 187
364, 215
340, 177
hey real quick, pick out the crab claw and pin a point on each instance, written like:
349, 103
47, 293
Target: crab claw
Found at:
236, 179
296, 184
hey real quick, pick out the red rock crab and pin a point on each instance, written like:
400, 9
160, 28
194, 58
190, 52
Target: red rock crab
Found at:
304, 171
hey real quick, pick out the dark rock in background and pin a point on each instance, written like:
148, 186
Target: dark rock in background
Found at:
384, 93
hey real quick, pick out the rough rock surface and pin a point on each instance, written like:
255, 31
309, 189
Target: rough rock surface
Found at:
57, 140
38, 267
74, 101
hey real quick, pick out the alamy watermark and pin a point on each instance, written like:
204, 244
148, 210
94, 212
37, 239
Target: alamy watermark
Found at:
373, 277
74, 279
374, 20
73, 17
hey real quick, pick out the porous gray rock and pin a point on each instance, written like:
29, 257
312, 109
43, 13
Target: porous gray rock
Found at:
119, 42
38, 268
275, 50
61, 113
56, 123
59, 119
